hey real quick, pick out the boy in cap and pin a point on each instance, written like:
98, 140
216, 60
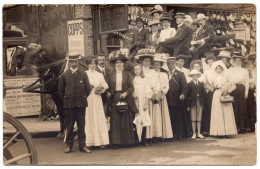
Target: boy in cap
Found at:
196, 96
74, 88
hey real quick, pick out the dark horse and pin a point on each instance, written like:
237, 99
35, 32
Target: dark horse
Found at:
49, 67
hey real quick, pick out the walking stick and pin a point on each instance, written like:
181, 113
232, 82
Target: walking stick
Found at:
185, 116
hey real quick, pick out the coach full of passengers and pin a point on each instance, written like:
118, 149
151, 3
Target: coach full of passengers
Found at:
74, 88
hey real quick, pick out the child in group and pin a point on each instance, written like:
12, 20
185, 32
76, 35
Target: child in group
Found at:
141, 95
196, 97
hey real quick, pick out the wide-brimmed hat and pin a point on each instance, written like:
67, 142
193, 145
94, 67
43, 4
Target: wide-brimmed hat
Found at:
180, 15
74, 56
158, 57
167, 16
156, 9
117, 55
224, 54
194, 72
145, 53
153, 22
201, 16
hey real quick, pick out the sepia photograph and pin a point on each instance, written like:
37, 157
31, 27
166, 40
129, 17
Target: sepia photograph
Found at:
164, 84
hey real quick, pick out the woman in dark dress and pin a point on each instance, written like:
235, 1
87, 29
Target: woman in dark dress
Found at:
120, 84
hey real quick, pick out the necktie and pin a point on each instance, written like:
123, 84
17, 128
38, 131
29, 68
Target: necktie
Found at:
250, 74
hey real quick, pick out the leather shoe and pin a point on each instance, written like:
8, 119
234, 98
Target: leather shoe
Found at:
68, 149
85, 150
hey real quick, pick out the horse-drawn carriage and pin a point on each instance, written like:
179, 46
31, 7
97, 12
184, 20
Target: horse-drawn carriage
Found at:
18, 145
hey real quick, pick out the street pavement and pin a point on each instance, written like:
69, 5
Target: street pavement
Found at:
235, 150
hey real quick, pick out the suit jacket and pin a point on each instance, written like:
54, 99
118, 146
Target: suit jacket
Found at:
74, 89
108, 70
194, 91
127, 86
176, 89
207, 34
180, 43
149, 39
139, 40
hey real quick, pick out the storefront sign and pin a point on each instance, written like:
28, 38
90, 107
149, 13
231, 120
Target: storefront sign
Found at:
113, 18
75, 36
18, 103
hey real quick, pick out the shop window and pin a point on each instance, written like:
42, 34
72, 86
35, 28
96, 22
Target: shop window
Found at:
113, 43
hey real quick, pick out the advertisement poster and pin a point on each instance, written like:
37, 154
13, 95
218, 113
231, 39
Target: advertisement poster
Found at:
18, 103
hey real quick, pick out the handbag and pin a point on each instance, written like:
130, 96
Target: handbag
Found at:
226, 98
122, 106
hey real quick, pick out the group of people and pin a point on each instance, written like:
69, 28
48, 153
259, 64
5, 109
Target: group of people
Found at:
113, 106
160, 90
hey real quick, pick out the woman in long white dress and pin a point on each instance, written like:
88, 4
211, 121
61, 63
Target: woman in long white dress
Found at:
222, 121
96, 123
155, 130
164, 87
141, 94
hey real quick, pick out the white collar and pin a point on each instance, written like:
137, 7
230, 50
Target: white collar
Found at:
180, 24
73, 70
196, 82
139, 29
101, 68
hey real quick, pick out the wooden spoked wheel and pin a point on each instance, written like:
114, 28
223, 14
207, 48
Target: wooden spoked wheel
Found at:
18, 144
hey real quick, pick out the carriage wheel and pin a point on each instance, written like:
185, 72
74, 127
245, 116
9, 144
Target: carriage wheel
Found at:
18, 145
48, 108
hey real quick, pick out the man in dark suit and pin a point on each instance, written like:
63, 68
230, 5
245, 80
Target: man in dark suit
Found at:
175, 97
180, 43
74, 88
202, 37
139, 38
104, 68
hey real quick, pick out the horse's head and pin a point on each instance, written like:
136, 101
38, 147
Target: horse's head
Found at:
17, 58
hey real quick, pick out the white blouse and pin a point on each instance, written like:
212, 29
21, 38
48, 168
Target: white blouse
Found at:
119, 80
96, 79
153, 79
167, 33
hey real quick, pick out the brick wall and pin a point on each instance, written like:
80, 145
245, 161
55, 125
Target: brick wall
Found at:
84, 12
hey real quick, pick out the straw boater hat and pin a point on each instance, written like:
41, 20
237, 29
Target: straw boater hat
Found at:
194, 72
153, 22
171, 59
117, 55
74, 56
145, 53
139, 19
224, 54
237, 56
180, 15
201, 16
156, 9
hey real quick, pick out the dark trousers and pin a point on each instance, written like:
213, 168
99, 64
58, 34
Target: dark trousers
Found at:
251, 110
59, 105
72, 116
176, 115
206, 115
239, 106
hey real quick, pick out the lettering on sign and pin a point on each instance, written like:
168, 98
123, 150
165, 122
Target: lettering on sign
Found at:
113, 18
75, 32
19, 103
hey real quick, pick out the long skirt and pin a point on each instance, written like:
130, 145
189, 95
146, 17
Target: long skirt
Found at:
222, 117
121, 124
96, 123
166, 121
239, 106
155, 130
